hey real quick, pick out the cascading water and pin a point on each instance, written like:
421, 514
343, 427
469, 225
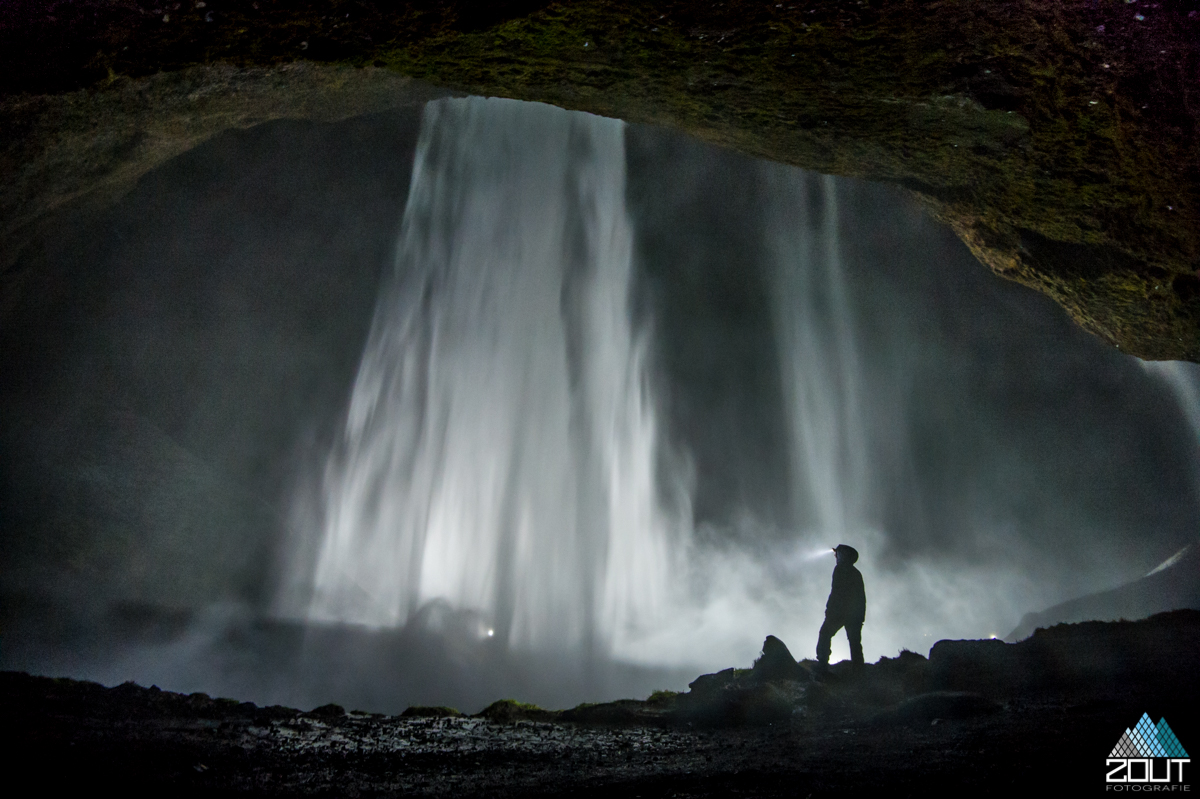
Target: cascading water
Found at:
819, 360
519, 457
502, 455
499, 448
1184, 382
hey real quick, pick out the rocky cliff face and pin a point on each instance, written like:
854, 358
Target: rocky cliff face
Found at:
89, 146
1059, 141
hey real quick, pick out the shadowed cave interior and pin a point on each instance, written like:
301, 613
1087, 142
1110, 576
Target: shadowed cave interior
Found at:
181, 365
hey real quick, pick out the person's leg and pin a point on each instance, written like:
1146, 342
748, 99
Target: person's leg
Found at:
854, 633
828, 630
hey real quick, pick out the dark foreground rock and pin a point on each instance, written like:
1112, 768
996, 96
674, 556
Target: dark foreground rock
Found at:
1174, 584
979, 715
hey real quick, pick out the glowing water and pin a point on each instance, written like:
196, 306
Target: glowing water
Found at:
819, 361
499, 448
501, 454
1184, 380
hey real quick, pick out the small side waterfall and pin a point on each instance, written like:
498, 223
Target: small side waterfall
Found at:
1184, 381
499, 448
819, 357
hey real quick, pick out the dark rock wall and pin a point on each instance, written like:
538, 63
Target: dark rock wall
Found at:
170, 361
1028, 125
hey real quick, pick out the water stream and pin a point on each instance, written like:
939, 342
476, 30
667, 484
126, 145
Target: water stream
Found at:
499, 449
505, 462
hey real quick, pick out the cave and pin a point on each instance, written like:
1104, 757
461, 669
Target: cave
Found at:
448, 362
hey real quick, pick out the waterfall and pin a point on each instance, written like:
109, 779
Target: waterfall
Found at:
819, 357
498, 452
1184, 381
501, 455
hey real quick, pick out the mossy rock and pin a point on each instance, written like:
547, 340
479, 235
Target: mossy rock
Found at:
665, 699
1058, 139
329, 711
430, 712
749, 703
510, 710
623, 712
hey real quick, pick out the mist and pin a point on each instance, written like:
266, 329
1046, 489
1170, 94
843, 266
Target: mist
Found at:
490, 399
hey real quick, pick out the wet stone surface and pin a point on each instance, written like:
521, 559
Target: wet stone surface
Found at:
897, 727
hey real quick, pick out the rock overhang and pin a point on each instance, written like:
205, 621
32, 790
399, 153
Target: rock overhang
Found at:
1058, 142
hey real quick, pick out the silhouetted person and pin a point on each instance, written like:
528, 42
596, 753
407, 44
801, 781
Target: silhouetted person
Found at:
847, 607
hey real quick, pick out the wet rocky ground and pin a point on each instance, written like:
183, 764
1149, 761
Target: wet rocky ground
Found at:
983, 716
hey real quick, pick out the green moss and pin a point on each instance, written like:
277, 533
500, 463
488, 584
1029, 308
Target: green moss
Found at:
509, 710
663, 697
430, 711
1001, 112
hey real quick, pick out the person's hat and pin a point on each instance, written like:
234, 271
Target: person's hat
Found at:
849, 554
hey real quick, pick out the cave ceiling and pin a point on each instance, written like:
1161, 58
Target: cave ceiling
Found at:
1058, 140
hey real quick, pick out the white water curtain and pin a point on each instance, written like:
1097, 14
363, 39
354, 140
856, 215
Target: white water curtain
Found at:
499, 448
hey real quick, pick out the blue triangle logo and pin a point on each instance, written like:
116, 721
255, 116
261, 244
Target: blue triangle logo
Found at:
1167, 740
1146, 738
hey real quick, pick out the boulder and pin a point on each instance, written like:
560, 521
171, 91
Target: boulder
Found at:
776, 663
939, 705
430, 712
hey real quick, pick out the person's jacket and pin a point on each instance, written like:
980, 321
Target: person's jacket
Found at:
847, 598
